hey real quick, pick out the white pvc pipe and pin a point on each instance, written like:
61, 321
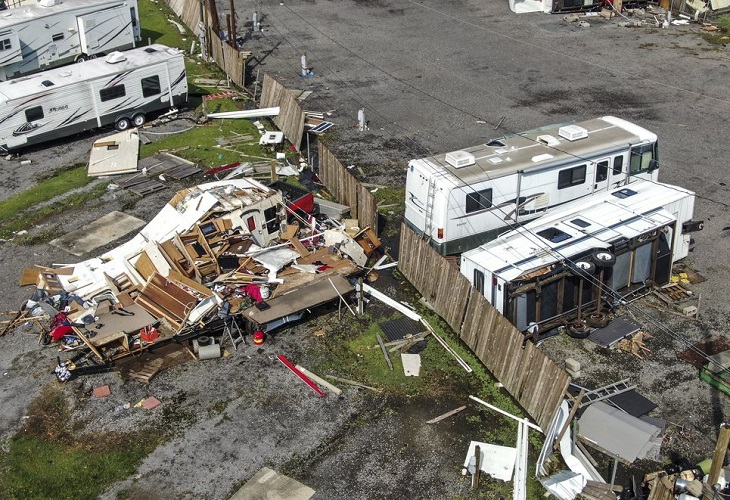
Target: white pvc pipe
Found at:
499, 410
320, 380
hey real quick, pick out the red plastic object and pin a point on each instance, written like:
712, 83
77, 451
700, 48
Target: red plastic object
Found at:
299, 374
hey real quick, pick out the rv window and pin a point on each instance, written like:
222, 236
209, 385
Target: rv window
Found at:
554, 235
478, 200
5, 44
571, 177
641, 158
33, 114
601, 171
272, 221
151, 86
618, 165
57, 37
110, 93
479, 281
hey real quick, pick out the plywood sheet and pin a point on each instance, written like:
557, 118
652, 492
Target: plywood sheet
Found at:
114, 154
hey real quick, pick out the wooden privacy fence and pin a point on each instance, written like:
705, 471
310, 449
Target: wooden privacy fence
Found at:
532, 378
346, 188
290, 119
188, 11
227, 58
230, 60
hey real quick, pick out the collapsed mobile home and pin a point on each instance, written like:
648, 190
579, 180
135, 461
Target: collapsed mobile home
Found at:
53, 33
122, 89
462, 199
551, 270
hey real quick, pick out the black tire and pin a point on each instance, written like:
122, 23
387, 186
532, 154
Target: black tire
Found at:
578, 330
138, 120
597, 319
81, 58
603, 258
122, 124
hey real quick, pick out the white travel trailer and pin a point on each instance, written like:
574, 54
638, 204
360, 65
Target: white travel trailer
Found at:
121, 90
462, 199
624, 239
52, 33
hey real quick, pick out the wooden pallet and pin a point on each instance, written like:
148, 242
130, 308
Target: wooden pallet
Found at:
149, 370
674, 291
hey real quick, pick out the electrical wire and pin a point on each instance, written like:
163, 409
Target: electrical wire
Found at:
363, 102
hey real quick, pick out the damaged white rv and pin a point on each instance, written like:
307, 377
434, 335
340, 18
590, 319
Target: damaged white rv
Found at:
121, 90
53, 33
462, 199
615, 243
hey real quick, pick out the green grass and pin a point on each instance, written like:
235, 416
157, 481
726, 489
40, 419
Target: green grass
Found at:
48, 460
199, 144
17, 213
721, 37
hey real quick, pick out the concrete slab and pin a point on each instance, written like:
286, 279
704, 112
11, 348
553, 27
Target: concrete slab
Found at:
109, 228
267, 484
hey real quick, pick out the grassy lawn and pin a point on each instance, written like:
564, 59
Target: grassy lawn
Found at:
17, 212
47, 460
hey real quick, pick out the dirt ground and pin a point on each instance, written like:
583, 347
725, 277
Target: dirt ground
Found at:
432, 77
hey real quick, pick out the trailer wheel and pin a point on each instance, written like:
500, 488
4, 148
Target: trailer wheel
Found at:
138, 120
585, 269
122, 124
81, 58
578, 330
603, 258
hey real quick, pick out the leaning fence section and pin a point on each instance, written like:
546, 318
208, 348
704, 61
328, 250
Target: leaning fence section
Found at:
531, 377
188, 12
346, 188
290, 119
230, 60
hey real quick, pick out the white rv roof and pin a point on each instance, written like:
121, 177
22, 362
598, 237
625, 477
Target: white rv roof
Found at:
27, 86
535, 149
578, 228
17, 15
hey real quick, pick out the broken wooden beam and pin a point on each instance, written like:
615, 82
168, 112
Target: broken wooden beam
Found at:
352, 382
446, 415
385, 352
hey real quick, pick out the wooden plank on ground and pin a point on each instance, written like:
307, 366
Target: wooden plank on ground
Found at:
149, 370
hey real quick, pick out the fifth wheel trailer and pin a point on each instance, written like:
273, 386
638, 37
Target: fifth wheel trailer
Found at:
122, 89
53, 33
464, 198
618, 242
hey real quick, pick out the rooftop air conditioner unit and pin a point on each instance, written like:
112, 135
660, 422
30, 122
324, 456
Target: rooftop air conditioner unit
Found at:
46, 3
458, 159
115, 57
572, 132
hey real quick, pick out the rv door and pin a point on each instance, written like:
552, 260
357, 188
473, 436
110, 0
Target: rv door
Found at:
88, 36
600, 169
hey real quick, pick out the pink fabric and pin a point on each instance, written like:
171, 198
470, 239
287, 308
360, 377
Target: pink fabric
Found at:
254, 292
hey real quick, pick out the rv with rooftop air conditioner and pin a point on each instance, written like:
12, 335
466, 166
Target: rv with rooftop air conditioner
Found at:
464, 198
123, 89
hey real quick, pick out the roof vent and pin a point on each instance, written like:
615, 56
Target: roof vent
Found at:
458, 159
46, 3
548, 140
115, 57
572, 132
